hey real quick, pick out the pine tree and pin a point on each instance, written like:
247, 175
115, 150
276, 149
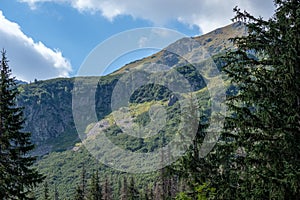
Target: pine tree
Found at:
133, 193
46, 191
95, 188
146, 194
193, 169
118, 191
157, 191
81, 187
106, 190
263, 131
17, 176
79, 195
163, 185
124, 190
151, 193
56, 194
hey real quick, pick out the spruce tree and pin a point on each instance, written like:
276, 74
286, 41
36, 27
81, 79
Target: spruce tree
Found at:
17, 176
106, 190
118, 191
157, 191
56, 194
263, 130
124, 190
81, 187
193, 169
133, 193
46, 191
79, 195
146, 194
95, 188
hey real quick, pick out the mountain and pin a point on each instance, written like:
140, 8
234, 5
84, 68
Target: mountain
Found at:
213, 42
48, 112
19, 82
49, 117
48, 104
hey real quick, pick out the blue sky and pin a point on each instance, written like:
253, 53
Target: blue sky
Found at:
51, 38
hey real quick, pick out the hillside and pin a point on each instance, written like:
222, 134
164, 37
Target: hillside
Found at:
213, 43
48, 104
49, 116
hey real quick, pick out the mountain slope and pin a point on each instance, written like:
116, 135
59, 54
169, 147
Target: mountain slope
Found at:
48, 109
213, 43
48, 104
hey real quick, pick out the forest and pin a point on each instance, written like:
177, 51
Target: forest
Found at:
255, 156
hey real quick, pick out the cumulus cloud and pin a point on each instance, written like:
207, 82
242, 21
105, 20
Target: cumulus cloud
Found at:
28, 59
206, 14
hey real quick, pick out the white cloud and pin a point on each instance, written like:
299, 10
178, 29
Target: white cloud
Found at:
29, 59
206, 14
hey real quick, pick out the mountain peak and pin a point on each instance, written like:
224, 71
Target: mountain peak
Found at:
214, 42
218, 40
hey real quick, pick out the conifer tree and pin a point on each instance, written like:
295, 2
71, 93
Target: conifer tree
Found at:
263, 130
46, 191
56, 194
124, 190
146, 194
118, 191
17, 175
95, 188
106, 190
79, 195
193, 169
151, 195
133, 193
81, 187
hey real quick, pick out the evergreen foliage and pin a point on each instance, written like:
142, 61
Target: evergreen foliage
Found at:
262, 134
193, 169
95, 187
106, 190
46, 191
17, 176
81, 188
124, 190
133, 193
56, 194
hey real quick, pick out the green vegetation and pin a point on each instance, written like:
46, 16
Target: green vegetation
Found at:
64, 168
263, 131
256, 157
64, 171
48, 110
17, 177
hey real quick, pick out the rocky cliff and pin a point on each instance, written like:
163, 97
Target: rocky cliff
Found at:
48, 104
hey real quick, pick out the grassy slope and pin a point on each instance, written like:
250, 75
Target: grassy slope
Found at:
63, 168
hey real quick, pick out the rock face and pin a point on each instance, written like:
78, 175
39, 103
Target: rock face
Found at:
48, 104
48, 111
47, 108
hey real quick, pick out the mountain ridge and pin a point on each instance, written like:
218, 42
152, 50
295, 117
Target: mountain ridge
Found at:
213, 42
48, 104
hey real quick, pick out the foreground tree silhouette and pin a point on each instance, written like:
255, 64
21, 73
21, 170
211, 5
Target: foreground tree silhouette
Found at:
264, 129
17, 177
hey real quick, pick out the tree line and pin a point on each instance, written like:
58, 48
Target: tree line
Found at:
102, 188
257, 155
